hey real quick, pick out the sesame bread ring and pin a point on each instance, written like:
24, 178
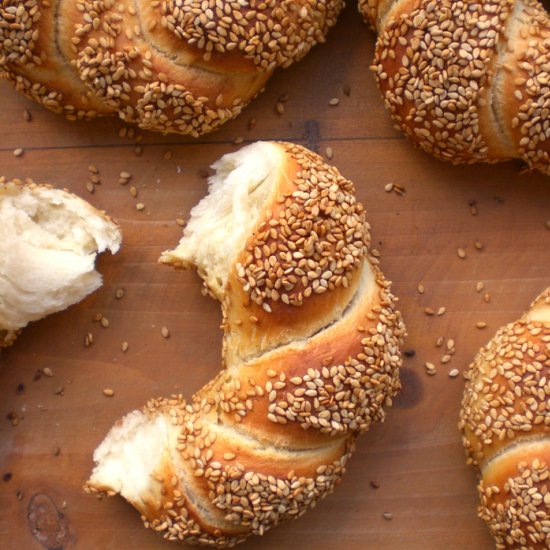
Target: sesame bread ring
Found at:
166, 65
468, 81
505, 421
311, 353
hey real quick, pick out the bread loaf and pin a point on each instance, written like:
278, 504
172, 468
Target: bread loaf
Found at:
166, 65
49, 240
311, 354
466, 80
505, 421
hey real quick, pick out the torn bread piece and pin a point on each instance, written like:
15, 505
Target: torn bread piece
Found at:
311, 352
49, 240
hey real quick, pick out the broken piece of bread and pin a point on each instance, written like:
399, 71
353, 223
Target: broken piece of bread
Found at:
49, 240
311, 353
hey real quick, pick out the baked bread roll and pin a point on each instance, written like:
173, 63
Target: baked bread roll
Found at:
49, 240
165, 65
505, 421
311, 355
467, 81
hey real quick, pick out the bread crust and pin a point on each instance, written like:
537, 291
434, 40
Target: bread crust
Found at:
505, 421
466, 81
165, 65
271, 435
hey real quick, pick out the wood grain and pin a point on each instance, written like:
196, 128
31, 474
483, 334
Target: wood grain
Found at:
416, 457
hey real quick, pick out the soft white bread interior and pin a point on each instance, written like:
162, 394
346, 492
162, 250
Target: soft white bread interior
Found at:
220, 223
49, 240
311, 347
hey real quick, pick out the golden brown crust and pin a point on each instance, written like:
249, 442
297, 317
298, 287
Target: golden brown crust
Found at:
467, 81
165, 65
505, 420
270, 436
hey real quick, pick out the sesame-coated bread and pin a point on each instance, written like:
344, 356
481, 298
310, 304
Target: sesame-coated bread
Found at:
49, 240
505, 421
166, 65
311, 351
466, 80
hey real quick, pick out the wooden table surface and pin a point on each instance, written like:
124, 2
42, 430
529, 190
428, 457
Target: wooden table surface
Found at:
416, 457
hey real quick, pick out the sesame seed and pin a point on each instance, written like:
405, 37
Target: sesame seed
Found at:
140, 206
461, 253
104, 322
47, 371
108, 392
120, 292
18, 152
165, 332
453, 373
388, 188
333, 102
125, 347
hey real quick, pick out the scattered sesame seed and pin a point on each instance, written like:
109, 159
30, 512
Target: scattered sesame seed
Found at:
478, 245
238, 140
441, 311
92, 168
346, 89
18, 152
461, 253
180, 222
453, 373
333, 102
481, 324
120, 292
429, 311
480, 286
168, 155
133, 191
47, 372
387, 516
104, 322
165, 332
27, 115
445, 359
108, 392
89, 339
90, 187
279, 108
140, 206
374, 484
329, 153
420, 288
125, 347
388, 188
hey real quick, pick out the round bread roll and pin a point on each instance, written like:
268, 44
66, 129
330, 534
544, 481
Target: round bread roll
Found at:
165, 65
468, 81
49, 240
505, 421
311, 355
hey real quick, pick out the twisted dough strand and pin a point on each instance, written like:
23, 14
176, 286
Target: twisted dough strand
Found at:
168, 65
271, 435
505, 420
467, 80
